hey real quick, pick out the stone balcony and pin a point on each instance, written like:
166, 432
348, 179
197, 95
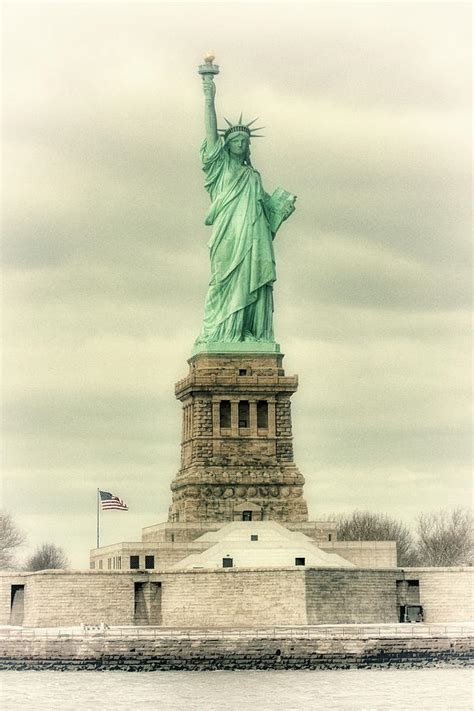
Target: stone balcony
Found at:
252, 383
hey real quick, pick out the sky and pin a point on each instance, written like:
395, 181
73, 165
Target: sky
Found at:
105, 264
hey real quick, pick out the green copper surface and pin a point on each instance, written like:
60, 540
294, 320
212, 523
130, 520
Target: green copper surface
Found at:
238, 315
237, 347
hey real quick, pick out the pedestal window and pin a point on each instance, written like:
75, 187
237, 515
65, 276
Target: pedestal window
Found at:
262, 415
224, 414
244, 414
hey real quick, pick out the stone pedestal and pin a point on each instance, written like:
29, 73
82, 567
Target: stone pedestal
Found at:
237, 449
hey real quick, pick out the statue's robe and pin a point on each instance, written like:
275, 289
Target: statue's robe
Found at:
239, 302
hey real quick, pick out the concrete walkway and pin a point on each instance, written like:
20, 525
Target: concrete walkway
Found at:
353, 631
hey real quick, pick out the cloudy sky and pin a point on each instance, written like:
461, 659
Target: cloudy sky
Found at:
106, 266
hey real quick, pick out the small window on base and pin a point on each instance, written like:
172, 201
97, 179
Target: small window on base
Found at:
227, 562
253, 537
300, 561
149, 561
134, 562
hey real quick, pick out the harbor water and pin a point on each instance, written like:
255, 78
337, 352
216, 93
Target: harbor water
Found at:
447, 688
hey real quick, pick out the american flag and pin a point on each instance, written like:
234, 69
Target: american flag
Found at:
109, 501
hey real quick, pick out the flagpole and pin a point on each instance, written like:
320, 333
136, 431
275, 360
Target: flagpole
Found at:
98, 513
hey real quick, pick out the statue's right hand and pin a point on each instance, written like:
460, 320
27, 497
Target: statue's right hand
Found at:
209, 88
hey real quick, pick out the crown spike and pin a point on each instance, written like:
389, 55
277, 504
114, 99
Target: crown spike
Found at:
251, 122
240, 118
259, 128
227, 121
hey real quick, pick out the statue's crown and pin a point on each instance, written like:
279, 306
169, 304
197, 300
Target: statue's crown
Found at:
240, 127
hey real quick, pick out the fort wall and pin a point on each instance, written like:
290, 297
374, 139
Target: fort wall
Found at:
233, 597
446, 593
351, 596
53, 598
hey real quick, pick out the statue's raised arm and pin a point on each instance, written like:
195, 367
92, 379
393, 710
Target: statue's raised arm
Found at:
207, 71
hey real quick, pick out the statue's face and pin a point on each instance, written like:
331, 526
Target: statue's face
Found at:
239, 145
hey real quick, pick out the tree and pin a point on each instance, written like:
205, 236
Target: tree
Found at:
445, 538
369, 526
46, 557
10, 538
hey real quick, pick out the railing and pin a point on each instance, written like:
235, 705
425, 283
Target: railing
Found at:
401, 631
234, 379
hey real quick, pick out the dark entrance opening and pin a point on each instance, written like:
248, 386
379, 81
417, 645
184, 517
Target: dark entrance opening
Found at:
246, 515
147, 603
17, 604
413, 591
140, 616
155, 603
411, 613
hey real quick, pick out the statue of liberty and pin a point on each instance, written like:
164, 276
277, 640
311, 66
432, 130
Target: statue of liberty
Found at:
245, 219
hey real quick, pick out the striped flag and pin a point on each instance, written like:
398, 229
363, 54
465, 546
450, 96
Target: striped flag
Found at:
109, 501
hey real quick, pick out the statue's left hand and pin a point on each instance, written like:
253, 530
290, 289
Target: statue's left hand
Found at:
290, 209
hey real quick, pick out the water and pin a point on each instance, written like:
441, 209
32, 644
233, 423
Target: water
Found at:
351, 690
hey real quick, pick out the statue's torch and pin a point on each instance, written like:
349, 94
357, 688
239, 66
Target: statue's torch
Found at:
208, 69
